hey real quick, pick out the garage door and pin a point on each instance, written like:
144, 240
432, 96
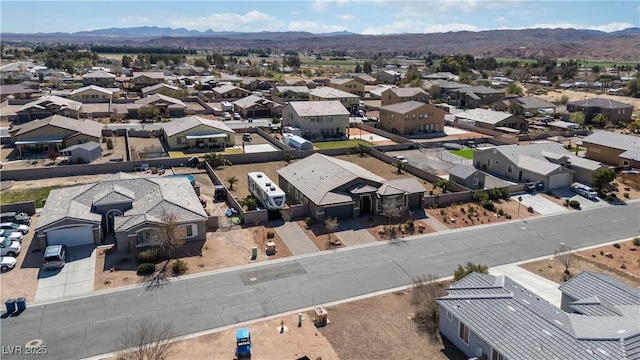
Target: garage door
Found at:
70, 236
560, 180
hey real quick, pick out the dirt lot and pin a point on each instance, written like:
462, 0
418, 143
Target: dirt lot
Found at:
381, 168
22, 281
457, 216
554, 95
140, 146
240, 189
605, 259
222, 249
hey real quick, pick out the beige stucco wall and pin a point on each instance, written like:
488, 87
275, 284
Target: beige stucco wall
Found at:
315, 128
199, 130
411, 121
352, 87
603, 154
90, 94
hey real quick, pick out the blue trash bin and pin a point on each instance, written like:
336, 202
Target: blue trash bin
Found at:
21, 303
11, 305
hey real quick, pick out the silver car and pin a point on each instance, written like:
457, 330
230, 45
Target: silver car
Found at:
584, 191
12, 235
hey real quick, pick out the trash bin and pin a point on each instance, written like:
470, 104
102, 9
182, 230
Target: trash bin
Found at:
21, 303
11, 305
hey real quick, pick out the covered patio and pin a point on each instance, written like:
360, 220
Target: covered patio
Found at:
207, 141
37, 145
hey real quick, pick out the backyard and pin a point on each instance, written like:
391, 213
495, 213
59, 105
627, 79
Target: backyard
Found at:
241, 189
339, 144
37, 194
465, 153
381, 168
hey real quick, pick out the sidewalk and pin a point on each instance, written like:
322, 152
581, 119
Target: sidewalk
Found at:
542, 287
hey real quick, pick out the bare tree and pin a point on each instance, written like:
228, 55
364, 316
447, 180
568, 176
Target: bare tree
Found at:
170, 234
391, 210
566, 256
147, 341
330, 224
423, 296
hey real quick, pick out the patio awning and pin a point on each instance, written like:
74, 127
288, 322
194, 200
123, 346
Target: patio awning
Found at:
38, 141
207, 136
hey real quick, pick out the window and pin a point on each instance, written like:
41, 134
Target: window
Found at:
475, 181
463, 333
496, 355
189, 230
497, 162
144, 237
488, 162
510, 169
448, 315
392, 116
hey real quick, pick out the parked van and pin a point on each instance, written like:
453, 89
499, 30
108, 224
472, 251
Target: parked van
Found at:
54, 256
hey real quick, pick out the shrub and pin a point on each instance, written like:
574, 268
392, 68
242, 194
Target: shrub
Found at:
636, 241
409, 224
574, 204
508, 216
470, 267
616, 245
623, 266
626, 195
480, 196
489, 205
180, 267
500, 212
148, 256
442, 212
146, 269
308, 221
109, 144
270, 234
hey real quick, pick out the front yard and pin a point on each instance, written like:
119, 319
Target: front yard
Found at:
457, 216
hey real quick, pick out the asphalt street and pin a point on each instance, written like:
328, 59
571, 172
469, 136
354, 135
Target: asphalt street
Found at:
92, 325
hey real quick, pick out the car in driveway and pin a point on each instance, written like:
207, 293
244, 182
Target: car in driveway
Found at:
7, 262
401, 158
54, 257
9, 248
14, 227
584, 190
11, 235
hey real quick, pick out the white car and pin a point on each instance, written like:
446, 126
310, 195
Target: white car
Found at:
584, 190
401, 158
14, 227
237, 116
227, 116
11, 235
7, 262
9, 248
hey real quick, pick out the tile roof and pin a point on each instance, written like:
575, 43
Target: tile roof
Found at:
150, 74
588, 284
227, 88
600, 103
151, 88
151, 198
177, 126
340, 81
405, 106
613, 140
88, 127
531, 102
295, 89
462, 171
16, 89
481, 90
408, 185
159, 97
98, 75
92, 87
253, 100
318, 108
318, 176
331, 93
523, 326
484, 116
408, 91
46, 101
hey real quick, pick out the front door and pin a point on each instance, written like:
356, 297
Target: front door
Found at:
365, 204
519, 175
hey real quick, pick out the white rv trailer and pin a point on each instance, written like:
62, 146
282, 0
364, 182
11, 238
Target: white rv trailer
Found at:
266, 191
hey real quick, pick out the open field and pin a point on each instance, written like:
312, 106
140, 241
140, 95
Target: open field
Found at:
555, 95
465, 153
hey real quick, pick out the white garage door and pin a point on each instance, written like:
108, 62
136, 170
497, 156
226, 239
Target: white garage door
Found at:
560, 180
71, 236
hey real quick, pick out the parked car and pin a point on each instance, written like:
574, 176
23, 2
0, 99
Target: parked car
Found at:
370, 119
54, 256
584, 190
7, 262
401, 158
15, 227
9, 248
227, 116
246, 137
16, 217
237, 116
12, 235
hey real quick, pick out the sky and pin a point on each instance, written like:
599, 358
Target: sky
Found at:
369, 17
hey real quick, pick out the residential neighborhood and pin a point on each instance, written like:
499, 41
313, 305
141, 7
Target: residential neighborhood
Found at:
456, 207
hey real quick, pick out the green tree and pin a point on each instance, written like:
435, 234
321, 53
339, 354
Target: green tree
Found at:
367, 67
149, 113
215, 160
633, 87
443, 184
232, 180
599, 121
126, 61
577, 118
201, 63
470, 267
602, 176
362, 148
399, 165
330, 224
514, 89
358, 68
250, 202
465, 78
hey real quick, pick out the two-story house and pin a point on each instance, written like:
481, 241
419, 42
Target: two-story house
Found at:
91, 93
99, 78
144, 79
326, 93
475, 96
613, 149
398, 95
348, 85
613, 110
411, 117
317, 119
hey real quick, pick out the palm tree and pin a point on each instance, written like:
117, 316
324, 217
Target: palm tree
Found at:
362, 148
399, 165
443, 184
215, 159
250, 202
232, 180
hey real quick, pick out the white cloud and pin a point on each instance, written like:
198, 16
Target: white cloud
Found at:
129, 19
411, 26
615, 26
322, 5
314, 27
346, 17
500, 19
250, 21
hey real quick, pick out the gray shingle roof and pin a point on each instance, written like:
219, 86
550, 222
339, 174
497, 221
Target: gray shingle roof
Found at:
89, 145
151, 198
462, 171
318, 108
600, 103
177, 126
630, 144
484, 116
88, 127
318, 176
331, 93
405, 107
523, 326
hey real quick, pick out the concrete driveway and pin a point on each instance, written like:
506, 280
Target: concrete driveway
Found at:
75, 278
585, 204
539, 204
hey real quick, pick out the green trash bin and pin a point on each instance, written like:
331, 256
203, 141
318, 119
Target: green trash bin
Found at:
11, 305
21, 303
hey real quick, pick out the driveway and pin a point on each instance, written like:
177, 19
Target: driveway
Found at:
75, 278
585, 204
539, 204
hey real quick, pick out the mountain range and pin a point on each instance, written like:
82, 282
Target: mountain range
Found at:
526, 43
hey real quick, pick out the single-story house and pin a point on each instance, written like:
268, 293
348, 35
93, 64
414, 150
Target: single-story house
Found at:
614, 149
335, 188
545, 161
194, 132
230, 92
522, 105
99, 78
288, 92
467, 176
257, 106
397, 95
169, 107
613, 110
130, 207
47, 106
493, 120
157, 89
494, 317
91, 93
57, 132
388, 76
17, 91
444, 75
411, 117
327, 93
84, 153
317, 119
475, 96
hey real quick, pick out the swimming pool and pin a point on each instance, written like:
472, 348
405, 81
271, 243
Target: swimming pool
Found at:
191, 178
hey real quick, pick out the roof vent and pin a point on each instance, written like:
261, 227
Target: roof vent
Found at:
267, 184
259, 175
273, 188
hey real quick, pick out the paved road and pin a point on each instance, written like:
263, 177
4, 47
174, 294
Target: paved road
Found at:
91, 325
